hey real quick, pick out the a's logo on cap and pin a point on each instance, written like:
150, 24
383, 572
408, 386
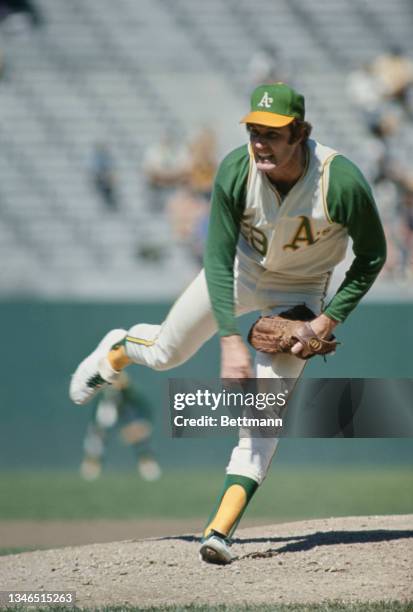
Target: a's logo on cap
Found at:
266, 101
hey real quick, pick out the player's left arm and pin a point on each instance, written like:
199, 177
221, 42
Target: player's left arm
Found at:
350, 202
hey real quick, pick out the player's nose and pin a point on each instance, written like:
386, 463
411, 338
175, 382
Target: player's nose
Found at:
260, 145
259, 142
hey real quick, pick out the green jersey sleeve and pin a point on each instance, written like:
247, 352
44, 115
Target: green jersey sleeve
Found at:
350, 202
227, 206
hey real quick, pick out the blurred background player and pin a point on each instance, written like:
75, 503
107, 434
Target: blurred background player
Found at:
124, 409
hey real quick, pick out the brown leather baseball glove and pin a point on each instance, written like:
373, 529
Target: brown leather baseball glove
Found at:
279, 333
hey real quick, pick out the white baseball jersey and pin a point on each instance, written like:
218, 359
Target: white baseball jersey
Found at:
291, 243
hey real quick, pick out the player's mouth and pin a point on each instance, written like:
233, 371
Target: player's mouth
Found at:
265, 162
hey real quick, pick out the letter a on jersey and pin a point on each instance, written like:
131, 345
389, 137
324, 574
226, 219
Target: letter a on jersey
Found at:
265, 101
304, 233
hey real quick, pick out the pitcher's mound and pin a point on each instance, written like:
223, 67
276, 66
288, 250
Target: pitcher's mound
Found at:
346, 559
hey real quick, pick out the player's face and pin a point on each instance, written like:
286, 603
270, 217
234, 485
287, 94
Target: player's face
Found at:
271, 147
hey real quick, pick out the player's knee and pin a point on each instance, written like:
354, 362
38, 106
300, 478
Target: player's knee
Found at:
149, 345
166, 361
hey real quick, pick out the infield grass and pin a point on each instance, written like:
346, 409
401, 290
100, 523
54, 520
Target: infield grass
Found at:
16, 550
287, 494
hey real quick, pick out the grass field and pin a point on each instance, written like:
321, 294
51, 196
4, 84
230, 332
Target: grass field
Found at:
287, 494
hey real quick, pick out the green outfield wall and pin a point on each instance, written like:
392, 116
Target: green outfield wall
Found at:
42, 342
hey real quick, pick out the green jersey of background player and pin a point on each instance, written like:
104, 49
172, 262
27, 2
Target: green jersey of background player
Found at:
283, 208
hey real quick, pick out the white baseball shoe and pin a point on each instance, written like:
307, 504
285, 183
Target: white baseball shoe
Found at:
95, 372
215, 549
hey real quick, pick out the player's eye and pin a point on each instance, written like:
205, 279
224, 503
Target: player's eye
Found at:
254, 135
257, 135
272, 135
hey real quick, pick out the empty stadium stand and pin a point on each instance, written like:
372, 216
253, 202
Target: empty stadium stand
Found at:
122, 72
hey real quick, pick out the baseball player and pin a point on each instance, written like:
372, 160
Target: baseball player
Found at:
120, 407
283, 207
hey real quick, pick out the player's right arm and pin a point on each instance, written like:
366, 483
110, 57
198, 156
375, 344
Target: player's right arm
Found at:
235, 358
227, 206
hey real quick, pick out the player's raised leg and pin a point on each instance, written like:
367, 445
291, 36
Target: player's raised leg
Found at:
189, 324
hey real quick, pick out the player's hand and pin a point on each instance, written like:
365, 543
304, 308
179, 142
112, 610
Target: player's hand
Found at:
235, 358
323, 326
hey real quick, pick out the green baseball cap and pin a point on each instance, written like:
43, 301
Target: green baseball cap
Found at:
275, 105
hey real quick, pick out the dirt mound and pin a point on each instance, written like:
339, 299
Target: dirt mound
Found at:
345, 559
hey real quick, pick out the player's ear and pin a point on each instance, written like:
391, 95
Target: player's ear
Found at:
300, 131
297, 132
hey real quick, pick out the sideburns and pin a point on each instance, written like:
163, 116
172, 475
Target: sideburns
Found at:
299, 130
